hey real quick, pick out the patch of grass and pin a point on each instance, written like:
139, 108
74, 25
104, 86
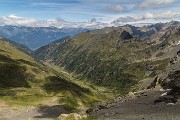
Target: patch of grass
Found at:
23, 100
160, 54
72, 96
69, 103
136, 69
89, 118
56, 84
153, 74
5, 92
160, 64
23, 96
2, 50
4, 58
26, 62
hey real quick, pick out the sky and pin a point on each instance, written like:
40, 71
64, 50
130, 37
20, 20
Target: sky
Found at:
77, 13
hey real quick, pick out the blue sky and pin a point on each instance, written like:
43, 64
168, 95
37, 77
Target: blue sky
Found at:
106, 11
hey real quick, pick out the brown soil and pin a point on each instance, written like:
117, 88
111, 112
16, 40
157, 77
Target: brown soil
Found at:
30, 113
140, 108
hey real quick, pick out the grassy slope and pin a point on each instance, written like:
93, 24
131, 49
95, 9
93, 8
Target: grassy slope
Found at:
106, 59
24, 81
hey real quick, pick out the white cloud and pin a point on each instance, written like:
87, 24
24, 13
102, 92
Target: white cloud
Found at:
59, 22
117, 8
167, 15
154, 3
15, 20
93, 23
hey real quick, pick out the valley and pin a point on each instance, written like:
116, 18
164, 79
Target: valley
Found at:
28, 85
109, 73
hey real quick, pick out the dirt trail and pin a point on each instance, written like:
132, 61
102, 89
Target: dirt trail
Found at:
140, 108
30, 112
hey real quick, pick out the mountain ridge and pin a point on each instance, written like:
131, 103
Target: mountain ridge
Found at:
45, 35
24, 81
99, 55
34, 37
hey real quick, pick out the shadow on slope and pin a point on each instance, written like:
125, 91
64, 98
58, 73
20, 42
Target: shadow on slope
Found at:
50, 111
11, 73
71, 95
56, 84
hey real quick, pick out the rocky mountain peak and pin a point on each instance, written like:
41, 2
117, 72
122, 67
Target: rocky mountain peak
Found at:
126, 35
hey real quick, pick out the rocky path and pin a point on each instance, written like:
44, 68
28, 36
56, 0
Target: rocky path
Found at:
140, 108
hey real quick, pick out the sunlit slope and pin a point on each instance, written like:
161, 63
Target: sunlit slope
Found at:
25, 81
112, 57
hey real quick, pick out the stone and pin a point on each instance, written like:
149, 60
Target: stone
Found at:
164, 94
171, 104
131, 95
166, 99
72, 116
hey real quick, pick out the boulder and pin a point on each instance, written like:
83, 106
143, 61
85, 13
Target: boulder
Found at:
172, 85
73, 116
178, 53
172, 82
166, 99
96, 109
131, 95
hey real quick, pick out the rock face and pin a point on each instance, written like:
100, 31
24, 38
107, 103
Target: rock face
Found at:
158, 32
153, 84
172, 83
126, 35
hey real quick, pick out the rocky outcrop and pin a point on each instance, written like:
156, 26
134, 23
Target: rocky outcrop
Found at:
126, 35
178, 53
96, 109
153, 84
166, 99
172, 86
172, 81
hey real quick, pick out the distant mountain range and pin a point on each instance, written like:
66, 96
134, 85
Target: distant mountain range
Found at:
35, 37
